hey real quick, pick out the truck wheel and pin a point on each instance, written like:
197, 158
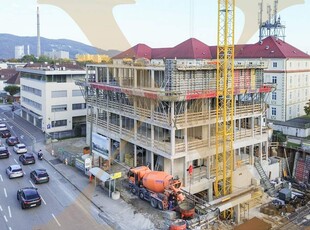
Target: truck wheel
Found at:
154, 203
160, 205
141, 195
133, 190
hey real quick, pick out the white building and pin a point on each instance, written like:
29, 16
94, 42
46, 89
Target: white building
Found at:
288, 70
57, 54
19, 52
51, 100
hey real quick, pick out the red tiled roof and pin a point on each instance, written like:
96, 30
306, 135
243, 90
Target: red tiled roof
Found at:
5, 74
192, 48
270, 47
14, 80
138, 51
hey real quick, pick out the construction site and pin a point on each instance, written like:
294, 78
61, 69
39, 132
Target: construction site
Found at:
190, 124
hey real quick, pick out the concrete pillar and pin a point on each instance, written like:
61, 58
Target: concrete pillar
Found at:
210, 193
96, 74
251, 154
152, 161
152, 136
120, 124
266, 149
108, 75
237, 214
152, 79
172, 133
260, 152
135, 79
135, 156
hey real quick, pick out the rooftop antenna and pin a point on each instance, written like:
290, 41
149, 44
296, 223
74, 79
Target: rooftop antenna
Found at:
38, 34
273, 26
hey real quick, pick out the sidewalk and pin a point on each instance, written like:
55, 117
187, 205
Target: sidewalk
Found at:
116, 213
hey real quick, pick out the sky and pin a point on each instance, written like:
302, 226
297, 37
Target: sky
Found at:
157, 23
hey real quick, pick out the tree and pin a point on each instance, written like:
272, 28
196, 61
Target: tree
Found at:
28, 58
12, 89
307, 108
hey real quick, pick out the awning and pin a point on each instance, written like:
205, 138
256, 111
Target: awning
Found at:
100, 174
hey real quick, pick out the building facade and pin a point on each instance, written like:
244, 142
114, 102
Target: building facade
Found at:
19, 52
51, 100
157, 107
288, 70
57, 54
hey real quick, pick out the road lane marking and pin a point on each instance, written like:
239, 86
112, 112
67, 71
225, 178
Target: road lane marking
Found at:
43, 200
56, 220
6, 195
1, 177
10, 228
6, 220
1, 208
15, 161
31, 183
10, 214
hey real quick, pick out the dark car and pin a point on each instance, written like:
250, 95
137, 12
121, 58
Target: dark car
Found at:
28, 197
5, 133
27, 158
12, 141
39, 176
4, 153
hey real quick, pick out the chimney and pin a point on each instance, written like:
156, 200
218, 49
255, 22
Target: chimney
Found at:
38, 34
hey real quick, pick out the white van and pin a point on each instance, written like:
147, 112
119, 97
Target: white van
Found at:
3, 127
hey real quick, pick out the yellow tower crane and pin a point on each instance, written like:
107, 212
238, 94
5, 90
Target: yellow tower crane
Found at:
225, 98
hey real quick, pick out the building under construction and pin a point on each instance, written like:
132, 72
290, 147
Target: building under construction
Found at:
157, 107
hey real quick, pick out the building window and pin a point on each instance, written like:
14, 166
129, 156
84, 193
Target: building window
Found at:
79, 106
306, 92
291, 80
273, 111
77, 93
298, 108
274, 96
274, 64
59, 123
274, 79
59, 108
59, 93
32, 90
32, 103
290, 111
291, 95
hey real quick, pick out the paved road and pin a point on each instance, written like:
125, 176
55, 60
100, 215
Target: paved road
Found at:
63, 206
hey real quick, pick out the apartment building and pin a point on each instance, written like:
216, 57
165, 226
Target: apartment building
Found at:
289, 70
157, 107
51, 100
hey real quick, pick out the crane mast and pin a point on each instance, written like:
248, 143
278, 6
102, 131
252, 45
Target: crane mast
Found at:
225, 98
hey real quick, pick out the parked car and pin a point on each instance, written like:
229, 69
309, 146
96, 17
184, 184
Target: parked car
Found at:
5, 133
14, 171
12, 141
28, 197
3, 126
27, 158
20, 148
4, 153
39, 176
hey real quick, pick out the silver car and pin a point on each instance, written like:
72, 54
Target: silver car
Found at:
14, 171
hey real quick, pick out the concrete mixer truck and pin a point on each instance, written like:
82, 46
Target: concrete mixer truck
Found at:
159, 188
